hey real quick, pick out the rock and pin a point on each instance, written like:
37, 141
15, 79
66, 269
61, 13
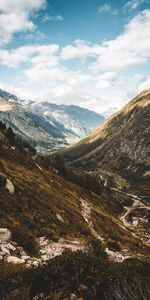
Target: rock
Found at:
2, 253
35, 263
42, 251
5, 250
73, 297
25, 257
11, 247
135, 223
15, 260
59, 218
5, 234
44, 257
38, 297
28, 266
10, 187
83, 287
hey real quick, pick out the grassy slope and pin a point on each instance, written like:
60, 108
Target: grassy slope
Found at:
108, 132
39, 195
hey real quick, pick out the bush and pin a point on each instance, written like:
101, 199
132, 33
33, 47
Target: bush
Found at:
26, 239
2, 180
114, 246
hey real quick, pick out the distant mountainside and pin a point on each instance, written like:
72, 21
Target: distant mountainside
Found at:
44, 125
121, 144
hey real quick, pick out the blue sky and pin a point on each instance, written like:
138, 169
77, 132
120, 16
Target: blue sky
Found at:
92, 53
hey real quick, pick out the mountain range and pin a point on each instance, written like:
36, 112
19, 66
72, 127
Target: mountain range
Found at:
44, 125
74, 224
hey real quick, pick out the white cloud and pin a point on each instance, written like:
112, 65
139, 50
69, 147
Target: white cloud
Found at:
45, 74
129, 49
106, 79
80, 49
104, 8
15, 16
133, 4
39, 55
144, 85
55, 18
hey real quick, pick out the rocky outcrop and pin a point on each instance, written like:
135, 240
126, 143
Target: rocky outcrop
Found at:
11, 252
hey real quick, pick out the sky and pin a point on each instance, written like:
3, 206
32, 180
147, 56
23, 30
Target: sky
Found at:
91, 53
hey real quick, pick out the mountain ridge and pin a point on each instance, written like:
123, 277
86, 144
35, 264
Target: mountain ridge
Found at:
121, 144
57, 125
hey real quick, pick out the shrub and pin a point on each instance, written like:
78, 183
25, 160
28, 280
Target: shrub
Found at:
114, 246
2, 180
26, 239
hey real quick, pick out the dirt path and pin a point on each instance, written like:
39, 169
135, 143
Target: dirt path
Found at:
137, 205
86, 214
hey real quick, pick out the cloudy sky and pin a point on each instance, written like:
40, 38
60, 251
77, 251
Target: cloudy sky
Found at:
91, 53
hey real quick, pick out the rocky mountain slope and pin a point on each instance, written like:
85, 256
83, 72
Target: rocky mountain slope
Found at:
42, 214
46, 126
120, 145
33, 197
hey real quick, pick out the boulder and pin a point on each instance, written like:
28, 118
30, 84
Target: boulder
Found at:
5, 250
2, 253
5, 234
59, 218
15, 260
10, 187
10, 247
73, 297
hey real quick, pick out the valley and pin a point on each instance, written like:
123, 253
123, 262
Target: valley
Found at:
72, 203
47, 126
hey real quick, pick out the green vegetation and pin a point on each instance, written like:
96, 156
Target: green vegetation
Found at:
83, 179
89, 275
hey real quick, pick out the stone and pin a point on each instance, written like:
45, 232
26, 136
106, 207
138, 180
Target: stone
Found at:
83, 287
42, 251
73, 297
10, 187
2, 253
44, 257
59, 218
5, 234
25, 257
5, 250
35, 263
15, 260
135, 223
11, 247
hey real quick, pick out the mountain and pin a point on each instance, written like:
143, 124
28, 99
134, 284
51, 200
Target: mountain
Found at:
120, 145
43, 214
9, 97
78, 120
46, 126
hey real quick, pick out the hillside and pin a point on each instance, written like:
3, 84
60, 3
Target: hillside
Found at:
44, 125
120, 145
42, 215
